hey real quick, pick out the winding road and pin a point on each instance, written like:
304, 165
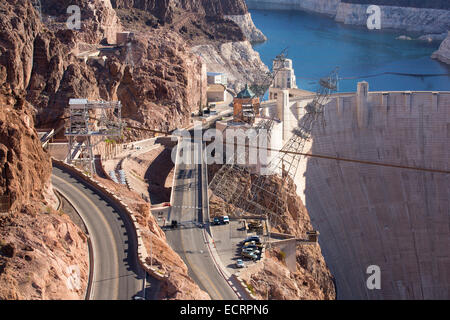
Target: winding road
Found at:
116, 271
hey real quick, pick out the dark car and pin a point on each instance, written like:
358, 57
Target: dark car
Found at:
174, 224
253, 238
216, 220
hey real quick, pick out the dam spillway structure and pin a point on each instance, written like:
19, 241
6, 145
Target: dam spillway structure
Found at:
396, 218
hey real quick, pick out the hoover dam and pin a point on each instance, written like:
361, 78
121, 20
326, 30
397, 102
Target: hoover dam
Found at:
394, 218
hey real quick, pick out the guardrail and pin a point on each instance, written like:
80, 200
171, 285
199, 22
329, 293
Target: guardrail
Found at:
98, 186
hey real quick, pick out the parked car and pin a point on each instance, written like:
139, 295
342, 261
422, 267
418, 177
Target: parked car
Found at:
252, 238
250, 255
216, 220
240, 263
252, 247
252, 244
174, 224
226, 219
248, 243
251, 250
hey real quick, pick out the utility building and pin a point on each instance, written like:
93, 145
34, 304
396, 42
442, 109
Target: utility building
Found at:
217, 78
245, 106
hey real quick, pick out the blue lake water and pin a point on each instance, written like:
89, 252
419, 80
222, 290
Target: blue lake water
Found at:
318, 44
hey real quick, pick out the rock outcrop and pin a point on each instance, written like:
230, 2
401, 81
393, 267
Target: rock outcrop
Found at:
251, 32
99, 22
238, 60
166, 10
158, 80
43, 254
443, 53
220, 32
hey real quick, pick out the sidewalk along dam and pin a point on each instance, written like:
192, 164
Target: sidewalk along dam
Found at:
394, 218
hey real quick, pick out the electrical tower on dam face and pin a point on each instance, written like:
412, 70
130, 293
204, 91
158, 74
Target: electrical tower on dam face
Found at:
267, 194
91, 122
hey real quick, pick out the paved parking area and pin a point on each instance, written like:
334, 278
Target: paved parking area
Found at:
227, 239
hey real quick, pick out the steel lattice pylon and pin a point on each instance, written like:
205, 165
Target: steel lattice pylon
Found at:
87, 120
259, 89
265, 198
222, 184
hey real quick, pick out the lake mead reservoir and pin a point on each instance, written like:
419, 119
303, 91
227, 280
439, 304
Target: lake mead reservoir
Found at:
317, 44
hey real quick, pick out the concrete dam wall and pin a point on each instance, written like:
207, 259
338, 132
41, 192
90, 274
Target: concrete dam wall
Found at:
397, 219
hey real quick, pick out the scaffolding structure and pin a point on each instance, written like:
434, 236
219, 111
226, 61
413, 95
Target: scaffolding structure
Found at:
222, 185
89, 120
265, 196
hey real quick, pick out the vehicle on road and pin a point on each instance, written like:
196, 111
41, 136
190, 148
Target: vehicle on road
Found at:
174, 224
240, 263
216, 220
225, 219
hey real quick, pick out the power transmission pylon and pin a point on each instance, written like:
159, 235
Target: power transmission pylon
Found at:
84, 126
267, 196
223, 184
259, 90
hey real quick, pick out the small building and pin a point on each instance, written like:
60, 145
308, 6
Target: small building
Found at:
217, 78
246, 106
216, 93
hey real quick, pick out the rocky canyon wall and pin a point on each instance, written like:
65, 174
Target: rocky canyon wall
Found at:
443, 53
220, 32
158, 81
40, 247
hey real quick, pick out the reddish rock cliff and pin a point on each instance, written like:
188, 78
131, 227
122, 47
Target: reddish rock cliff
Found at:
40, 248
